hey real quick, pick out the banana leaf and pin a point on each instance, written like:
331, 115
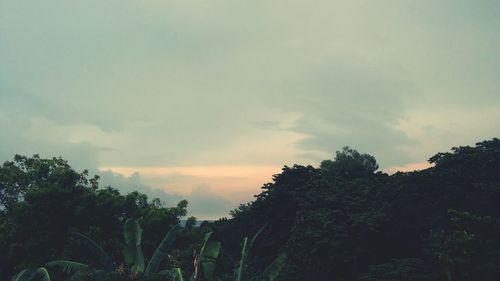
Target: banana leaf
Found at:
43, 274
30, 274
273, 270
69, 267
161, 252
176, 274
240, 271
102, 258
24, 275
132, 232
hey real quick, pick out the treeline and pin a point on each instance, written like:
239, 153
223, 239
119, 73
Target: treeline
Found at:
44, 201
345, 221
341, 221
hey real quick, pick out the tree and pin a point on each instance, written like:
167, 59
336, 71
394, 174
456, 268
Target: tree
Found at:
43, 200
347, 222
190, 222
26, 174
349, 163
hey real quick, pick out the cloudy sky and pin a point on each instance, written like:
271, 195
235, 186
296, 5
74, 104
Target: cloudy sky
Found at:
205, 100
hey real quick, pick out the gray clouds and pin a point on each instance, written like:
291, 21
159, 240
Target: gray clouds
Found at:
261, 83
203, 202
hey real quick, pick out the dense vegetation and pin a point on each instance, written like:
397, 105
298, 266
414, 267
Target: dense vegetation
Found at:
341, 221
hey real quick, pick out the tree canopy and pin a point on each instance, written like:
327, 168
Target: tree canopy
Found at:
341, 221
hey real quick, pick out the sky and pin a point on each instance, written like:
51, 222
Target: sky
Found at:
206, 100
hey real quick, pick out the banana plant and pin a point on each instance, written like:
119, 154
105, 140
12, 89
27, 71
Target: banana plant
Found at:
174, 273
132, 232
205, 261
132, 252
270, 272
31, 274
273, 270
102, 259
161, 252
68, 267
240, 270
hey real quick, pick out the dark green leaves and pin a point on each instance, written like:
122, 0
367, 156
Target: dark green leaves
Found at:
30, 274
273, 270
132, 253
69, 267
161, 251
240, 271
208, 255
100, 256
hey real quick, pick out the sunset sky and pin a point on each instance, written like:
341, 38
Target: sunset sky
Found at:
206, 100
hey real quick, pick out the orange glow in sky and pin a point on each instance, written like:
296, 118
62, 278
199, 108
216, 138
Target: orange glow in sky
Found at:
236, 183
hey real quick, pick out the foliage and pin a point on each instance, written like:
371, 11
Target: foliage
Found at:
270, 272
133, 256
345, 221
32, 274
43, 202
190, 222
68, 267
341, 221
132, 253
349, 163
240, 271
205, 261
101, 258
161, 253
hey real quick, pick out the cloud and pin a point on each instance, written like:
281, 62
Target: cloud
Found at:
203, 202
263, 83
356, 105
409, 167
235, 183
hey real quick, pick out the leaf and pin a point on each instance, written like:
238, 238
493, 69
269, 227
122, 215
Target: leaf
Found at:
209, 256
103, 259
78, 276
68, 267
273, 270
257, 235
29, 274
210, 250
241, 268
161, 251
24, 275
43, 273
207, 236
176, 274
132, 253
448, 274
